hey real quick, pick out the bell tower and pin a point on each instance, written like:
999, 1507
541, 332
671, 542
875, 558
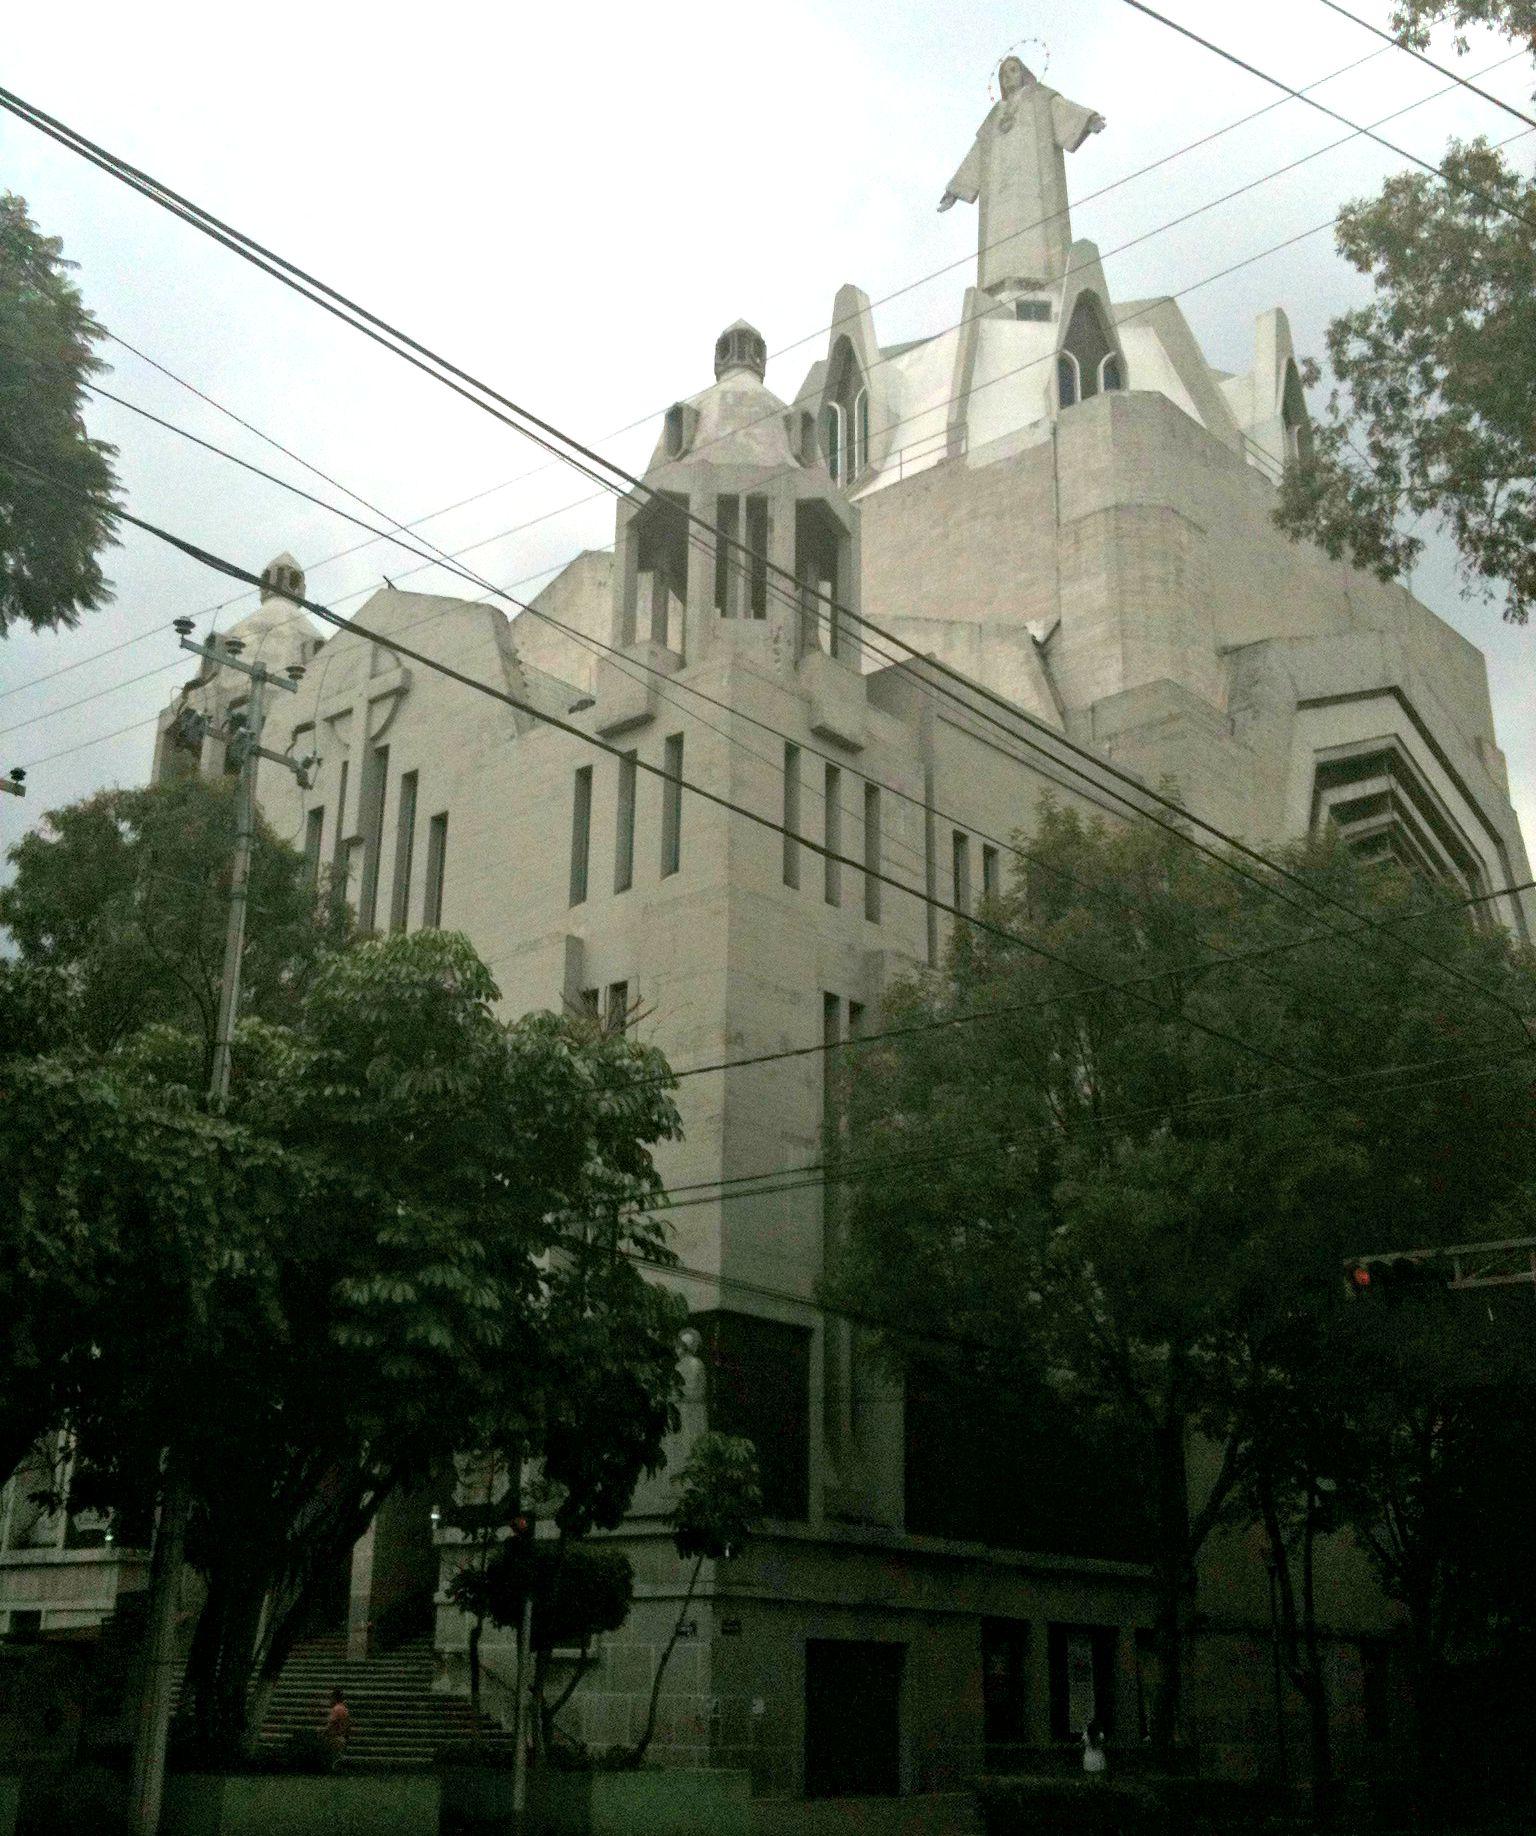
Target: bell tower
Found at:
740, 535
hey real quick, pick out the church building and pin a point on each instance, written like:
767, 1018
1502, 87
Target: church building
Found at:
1057, 517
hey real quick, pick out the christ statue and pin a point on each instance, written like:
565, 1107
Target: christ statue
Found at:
1017, 167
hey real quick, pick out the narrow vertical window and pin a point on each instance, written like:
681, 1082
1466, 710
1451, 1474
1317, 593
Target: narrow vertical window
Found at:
831, 1037
860, 433
791, 814
728, 556
616, 1019
1066, 380
834, 835
437, 861
757, 553
581, 833
672, 806
339, 839
314, 831
991, 872
962, 871
405, 850
872, 852
624, 830
371, 817
591, 1003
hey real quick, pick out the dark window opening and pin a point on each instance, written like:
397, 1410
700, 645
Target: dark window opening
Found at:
1087, 342
1081, 1664
616, 1008
962, 871
1066, 380
672, 806
314, 832
728, 555
660, 535
821, 547
1037, 311
339, 839
405, 848
832, 888
756, 557
791, 814
872, 852
371, 817
1111, 373
581, 833
757, 1385
1019, 1470
1004, 1684
624, 829
991, 872
437, 866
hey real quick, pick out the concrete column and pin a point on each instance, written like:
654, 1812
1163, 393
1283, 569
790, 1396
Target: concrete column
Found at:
1037, 1675
700, 617
360, 1595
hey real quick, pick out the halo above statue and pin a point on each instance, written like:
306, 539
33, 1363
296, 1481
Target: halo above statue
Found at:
1016, 49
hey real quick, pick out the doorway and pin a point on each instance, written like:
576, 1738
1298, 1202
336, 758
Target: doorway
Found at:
853, 1718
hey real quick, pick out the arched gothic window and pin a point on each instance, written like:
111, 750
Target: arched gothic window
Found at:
832, 440
1095, 363
1296, 420
845, 417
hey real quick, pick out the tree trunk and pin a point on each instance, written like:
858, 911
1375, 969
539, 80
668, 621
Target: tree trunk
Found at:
477, 1627
648, 1733
1172, 1565
1316, 1691
147, 1780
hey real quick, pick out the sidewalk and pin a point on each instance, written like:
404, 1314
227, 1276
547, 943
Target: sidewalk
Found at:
951, 1814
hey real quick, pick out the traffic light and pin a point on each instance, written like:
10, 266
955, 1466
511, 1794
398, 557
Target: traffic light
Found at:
1391, 1280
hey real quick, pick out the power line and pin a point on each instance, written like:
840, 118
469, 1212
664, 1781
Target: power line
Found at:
817, 1176
959, 324
631, 426
221, 565
583, 458
1401, 44
1275, 82
1026, 854
909, 1029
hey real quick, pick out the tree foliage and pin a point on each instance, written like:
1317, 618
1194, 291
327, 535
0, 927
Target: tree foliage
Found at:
117, 903
410, 1213
1138, 1203
1433, 413
49, 538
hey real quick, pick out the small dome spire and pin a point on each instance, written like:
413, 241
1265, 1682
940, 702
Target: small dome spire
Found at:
282, 578
741, 347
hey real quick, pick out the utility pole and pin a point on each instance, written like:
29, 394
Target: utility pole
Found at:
243, 737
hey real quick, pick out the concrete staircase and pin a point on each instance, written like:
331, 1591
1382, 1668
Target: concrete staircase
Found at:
397, 1720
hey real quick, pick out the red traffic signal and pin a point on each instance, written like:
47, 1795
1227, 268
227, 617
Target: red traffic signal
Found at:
1359, 1276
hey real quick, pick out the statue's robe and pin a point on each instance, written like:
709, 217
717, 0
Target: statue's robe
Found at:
1017, 167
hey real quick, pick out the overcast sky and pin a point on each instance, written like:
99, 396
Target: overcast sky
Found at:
572, 202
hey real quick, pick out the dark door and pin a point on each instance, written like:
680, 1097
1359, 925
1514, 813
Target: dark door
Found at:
852, 1718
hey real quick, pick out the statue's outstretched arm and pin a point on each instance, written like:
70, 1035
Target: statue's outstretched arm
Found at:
967, 181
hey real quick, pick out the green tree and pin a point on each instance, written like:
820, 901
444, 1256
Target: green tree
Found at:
118, 902
718, 1506
1139, 1201
376, 1236
579, 1591
50, 540
1433, 412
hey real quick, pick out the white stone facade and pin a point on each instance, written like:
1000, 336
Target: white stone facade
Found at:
1061, 501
